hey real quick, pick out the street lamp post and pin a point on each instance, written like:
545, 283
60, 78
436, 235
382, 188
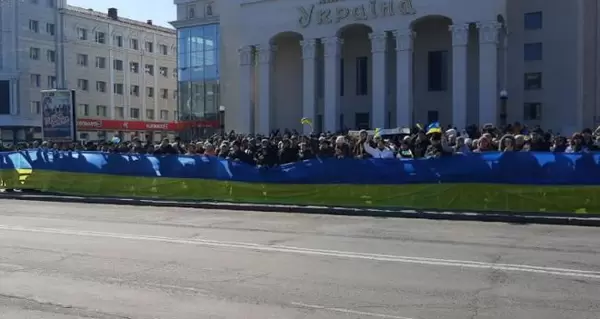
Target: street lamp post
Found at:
503, 107
222, 118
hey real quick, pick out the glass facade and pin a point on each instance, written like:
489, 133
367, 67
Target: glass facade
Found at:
198, 72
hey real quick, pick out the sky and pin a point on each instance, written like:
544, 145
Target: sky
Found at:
159, 11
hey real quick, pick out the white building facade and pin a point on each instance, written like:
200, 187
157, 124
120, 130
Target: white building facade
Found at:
123, 71
395, 63
28, 40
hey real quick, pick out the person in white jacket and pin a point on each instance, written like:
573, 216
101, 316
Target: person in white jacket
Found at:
381, 151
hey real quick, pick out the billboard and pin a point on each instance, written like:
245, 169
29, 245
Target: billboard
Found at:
58, 116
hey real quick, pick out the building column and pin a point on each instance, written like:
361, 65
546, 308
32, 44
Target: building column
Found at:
488, 72
246, 96
332, 50
404, 77
379, 87
309, 81
265, 59
460, 39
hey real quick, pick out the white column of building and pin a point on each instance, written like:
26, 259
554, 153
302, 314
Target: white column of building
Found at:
309, 81
379, 94
460, 39
246, 80
332, 49
488, 72
265, 59
404, 77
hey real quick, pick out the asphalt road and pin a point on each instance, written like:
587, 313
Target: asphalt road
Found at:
60, 261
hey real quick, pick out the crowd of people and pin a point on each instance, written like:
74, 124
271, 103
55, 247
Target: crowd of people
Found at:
283, 147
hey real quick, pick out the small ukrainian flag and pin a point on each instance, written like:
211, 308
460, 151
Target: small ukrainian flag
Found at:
377, 132
306, 121
434, 128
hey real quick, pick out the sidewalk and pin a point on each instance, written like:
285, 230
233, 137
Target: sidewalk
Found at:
592, 220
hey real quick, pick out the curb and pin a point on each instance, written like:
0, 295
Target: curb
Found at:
544, 219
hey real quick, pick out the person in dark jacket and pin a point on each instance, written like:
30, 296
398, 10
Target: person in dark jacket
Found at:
238, 155
166, 148
287, 154
266, 154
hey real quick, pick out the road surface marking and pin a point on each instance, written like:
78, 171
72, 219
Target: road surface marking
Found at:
347, 311
317, 252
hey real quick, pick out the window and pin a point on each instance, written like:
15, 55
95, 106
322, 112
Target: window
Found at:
163, 71
35, 107
134, 90
100, 37
164, 93
134, 44
533, 20
164, 115
51, 82
362, 71
118, 65
342, 82
533, 81
149, 91
198, 62
149, 69
36, 80
164, 50
134, 67
118, 88
50, 28
533, 51
82, 59
101, 62
134, 113
51, 56
149, 46
118, 41
191, 13
437, 71
84, 109
101, 110
532, 111
150, 114
175, 94
34, 26
34, 53
82, 84
119, 112
101, 86
175, 72
82, 34
51, 3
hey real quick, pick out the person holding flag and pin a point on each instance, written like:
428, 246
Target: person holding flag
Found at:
382, 150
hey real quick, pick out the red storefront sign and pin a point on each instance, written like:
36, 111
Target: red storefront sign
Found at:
115, 125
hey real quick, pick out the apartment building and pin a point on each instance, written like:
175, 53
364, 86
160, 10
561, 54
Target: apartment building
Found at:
124, 73
390, 63
29, 31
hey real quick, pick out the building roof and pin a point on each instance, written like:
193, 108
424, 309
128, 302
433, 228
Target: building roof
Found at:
102, 15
